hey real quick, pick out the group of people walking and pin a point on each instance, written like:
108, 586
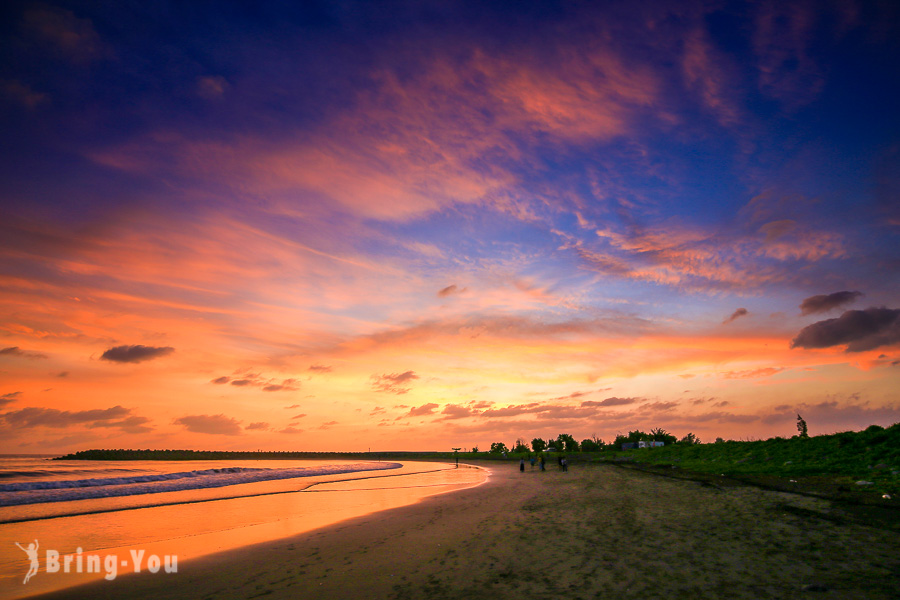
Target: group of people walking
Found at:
563, 463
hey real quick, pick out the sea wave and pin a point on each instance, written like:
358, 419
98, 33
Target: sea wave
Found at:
34, 473
99, 481
36, 492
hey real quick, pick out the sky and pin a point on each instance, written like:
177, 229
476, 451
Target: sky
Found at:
425, 225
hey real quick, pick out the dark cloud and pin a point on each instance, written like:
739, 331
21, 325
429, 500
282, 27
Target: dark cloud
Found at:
860, 330
212, 424
698, 401
258, 426
135, 354
450, 290
826, 302
16, 351
320, 368
741, 312
254, 380
421, 411
9, 398
610, 402
660, 406
395, 383
328, 424
300, 416
116, 416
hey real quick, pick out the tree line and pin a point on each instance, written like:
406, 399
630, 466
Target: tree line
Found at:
564, 442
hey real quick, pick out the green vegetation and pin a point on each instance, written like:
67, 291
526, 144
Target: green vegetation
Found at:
838, 461
864, 462
498, 448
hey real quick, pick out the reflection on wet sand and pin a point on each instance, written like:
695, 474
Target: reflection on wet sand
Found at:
197, 529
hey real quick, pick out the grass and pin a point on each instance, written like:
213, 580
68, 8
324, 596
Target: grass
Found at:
838, 460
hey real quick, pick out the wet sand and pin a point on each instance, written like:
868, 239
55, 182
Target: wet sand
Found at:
593, 532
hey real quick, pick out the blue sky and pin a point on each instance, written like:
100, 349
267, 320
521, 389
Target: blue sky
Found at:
445, 223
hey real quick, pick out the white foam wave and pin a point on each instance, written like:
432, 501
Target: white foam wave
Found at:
36, 492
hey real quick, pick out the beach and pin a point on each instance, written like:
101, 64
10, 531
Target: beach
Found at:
596, 531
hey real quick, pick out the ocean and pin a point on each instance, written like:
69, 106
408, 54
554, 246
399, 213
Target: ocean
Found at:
111, 518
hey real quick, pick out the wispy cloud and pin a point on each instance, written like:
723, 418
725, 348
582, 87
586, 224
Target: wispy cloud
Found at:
782, 41
741, 312
753, 373
706, 71
18, 352
450, 290
248, 379
22, 94
394, 383
64, 34
9, 398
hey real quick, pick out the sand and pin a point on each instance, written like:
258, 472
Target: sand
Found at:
593, 532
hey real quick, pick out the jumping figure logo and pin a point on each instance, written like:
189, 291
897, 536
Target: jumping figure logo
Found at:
108, 565
31, 551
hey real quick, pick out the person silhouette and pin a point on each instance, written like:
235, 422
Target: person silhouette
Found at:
31, 551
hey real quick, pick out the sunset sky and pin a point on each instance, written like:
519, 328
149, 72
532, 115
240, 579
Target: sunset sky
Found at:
425, 225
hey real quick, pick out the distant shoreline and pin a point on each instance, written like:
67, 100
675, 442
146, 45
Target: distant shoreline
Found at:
240, 455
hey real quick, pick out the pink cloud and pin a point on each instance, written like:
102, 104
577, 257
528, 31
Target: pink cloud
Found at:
394, 383
754, 373
64, 34
708, 73
781, 39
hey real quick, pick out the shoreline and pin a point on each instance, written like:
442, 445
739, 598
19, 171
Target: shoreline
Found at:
593, 531
188, 530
